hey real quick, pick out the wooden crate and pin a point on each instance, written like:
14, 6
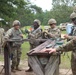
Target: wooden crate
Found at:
52, 66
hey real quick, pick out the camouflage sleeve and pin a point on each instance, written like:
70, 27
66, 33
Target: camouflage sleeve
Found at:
8, 33
57, 34
71, 37
69, 46
38, 34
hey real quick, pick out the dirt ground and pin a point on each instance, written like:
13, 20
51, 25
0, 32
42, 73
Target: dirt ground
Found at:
24, 66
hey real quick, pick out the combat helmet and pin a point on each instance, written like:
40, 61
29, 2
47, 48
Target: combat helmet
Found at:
16, 22
38, 21
73, 15
51, 21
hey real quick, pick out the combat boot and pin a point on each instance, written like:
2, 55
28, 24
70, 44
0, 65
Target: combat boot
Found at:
29, 70
18, 69
13, 70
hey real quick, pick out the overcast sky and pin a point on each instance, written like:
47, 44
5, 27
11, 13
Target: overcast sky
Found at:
44, 4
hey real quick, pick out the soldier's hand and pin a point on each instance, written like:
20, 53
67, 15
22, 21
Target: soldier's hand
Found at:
45, 32
50, 50
5, 42
21, 35
66, 36
31, 35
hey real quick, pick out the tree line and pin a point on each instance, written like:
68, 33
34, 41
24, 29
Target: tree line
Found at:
26, 12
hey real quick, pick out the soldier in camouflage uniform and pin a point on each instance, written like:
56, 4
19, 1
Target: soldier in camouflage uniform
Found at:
15, 33
1, 38
53, 31
70, 46
36, 33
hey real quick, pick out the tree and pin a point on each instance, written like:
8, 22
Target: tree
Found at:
8, 8
25, 16
62, 9
36, 9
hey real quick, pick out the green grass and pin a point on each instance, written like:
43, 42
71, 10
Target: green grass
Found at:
1, 57
65, 60
63, 32
25, 49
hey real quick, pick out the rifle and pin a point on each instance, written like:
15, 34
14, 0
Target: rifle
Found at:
25, 40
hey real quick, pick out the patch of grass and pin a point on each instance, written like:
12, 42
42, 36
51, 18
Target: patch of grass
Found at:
25, 49
1, 57
65, 60
63, 32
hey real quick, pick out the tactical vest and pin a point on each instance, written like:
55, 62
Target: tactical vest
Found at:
16, 36
53, 31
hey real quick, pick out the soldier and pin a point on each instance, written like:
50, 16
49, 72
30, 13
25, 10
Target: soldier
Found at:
36, 33
70, 46
53, 31
15, 33
1, 38
73, 31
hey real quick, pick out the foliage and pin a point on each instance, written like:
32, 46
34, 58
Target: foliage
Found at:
8, 7
26, 12
61, 12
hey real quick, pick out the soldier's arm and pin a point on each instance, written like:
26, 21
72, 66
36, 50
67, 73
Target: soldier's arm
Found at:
38, 34
8, 33
69, 46
57, 34
20, 31
71, 37
21, 35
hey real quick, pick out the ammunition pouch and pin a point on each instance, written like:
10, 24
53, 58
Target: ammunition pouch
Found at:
15, 44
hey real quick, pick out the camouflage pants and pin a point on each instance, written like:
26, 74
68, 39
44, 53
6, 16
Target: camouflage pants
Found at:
16, 52
73, 64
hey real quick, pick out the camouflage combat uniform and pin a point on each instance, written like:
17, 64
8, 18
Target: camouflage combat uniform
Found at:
71, 45
73, 56
15, 46
1, 38
55, 32
35, 34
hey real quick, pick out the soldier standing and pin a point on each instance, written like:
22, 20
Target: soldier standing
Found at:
36, 33
15, 33
53, 31
1, 38
70, 46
